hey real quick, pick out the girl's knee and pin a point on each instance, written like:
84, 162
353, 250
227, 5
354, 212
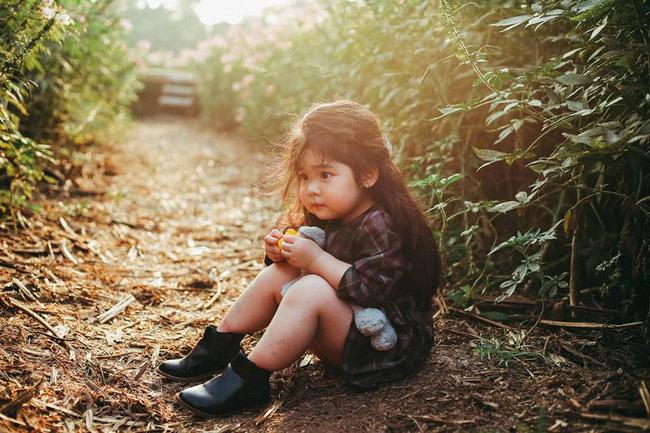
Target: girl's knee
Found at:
311, 284
280, 270
311, 287
277, 274
270, 280
313, 280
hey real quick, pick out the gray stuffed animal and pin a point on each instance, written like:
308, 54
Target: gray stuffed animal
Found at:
371, 322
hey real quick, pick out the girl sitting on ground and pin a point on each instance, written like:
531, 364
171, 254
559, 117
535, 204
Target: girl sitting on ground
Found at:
337, 174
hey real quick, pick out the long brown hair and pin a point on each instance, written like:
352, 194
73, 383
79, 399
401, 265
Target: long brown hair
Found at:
348, 132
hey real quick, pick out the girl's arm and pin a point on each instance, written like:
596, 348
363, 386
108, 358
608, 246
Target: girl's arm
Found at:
372, 279
329, 267
306, 254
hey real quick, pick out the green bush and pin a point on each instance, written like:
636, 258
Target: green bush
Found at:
523, 126
579, 121
65, 77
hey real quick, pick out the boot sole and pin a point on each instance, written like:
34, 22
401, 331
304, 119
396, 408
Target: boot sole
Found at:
186, 379
200, 413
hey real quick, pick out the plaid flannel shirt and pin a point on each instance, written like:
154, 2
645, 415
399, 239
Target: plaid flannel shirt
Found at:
379, 277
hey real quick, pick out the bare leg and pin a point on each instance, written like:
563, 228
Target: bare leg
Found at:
255, 308
310, 315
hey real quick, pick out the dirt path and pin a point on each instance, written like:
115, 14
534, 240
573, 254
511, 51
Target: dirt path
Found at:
178, 227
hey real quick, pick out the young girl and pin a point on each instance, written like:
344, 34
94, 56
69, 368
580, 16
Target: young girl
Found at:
338, 175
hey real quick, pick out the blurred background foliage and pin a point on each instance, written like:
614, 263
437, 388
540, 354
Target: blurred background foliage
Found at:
522, 125
65, 78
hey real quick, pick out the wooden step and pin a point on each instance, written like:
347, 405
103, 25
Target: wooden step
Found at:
175, 101
177, 89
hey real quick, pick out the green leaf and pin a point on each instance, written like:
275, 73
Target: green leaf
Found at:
495, 315
505, 206
540, 20
446, 111
585, 6
489, 155
460, 296
572, 79
494, 116
450, 180
575, 105
522, 196
570, 53
505, 132
512, 21
598, 29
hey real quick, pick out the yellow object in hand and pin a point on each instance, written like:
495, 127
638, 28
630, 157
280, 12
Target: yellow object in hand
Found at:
291, 232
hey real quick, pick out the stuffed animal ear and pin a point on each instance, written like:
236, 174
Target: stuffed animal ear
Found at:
369, 321
316, 234
384, 341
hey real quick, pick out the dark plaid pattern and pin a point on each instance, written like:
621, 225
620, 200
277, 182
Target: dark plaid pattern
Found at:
379, 277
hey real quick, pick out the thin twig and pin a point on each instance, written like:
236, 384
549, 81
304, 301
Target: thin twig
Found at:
67, 227
269, 412
645, 396
433, 418
214, 297
573, 351
142, 369
67, 253
480, 318
40, 320
23, 289
22, 398
11, 420
115, 309
590, 325
573, 273
643, 423
541, 313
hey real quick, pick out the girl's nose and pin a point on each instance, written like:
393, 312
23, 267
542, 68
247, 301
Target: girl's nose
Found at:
312, 187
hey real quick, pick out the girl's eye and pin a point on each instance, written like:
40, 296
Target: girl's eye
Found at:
325, 175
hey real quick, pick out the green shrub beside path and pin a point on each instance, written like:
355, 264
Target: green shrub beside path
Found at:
65, 78
525, 125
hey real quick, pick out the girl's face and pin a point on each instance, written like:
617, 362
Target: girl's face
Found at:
328, 189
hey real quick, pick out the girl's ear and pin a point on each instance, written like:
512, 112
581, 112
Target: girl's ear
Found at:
370, 177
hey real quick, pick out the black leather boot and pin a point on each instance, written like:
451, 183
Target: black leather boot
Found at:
241, 385
211, 354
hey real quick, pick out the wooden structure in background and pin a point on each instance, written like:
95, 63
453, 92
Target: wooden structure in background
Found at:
167, 91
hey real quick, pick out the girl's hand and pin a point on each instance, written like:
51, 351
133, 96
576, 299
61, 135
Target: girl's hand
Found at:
271, 245
300, 252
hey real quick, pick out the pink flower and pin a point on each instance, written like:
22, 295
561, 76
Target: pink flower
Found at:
64, 19
143, 45
247, 79
49, 12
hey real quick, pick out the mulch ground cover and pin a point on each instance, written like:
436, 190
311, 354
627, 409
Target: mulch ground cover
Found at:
154, 240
